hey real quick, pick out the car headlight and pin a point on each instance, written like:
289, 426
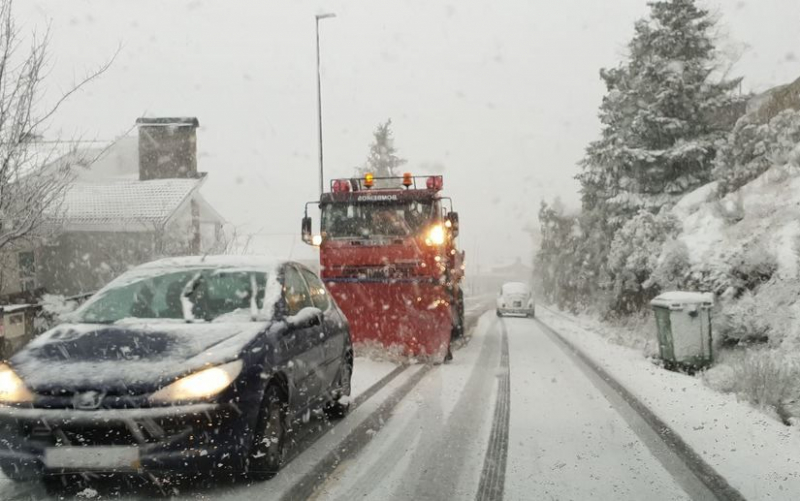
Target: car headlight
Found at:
435, 235
12, 389
200, 385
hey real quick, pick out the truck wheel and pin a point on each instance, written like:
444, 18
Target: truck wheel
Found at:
457, 314
269, 439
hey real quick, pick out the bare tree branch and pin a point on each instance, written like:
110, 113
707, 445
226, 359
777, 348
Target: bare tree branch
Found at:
33, 178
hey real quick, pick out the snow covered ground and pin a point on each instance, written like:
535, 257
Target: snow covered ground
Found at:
756, 454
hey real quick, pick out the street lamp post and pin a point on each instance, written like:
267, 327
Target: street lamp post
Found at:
319, 99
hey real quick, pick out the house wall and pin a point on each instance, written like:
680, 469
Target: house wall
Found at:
180, 232
80, 262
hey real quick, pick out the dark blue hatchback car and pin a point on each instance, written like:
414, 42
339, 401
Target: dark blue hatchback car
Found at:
182, 365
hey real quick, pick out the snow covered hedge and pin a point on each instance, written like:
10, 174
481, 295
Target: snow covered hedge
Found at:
634, 256
752, 148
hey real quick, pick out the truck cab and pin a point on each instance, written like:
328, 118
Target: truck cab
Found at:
388, 253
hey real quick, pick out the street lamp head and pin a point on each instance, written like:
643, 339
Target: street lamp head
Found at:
325, 16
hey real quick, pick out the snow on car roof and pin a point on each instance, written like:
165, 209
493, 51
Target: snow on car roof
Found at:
515, 287
155, 268
242, 261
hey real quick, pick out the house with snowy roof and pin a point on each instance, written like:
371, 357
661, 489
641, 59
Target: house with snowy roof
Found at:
133, 201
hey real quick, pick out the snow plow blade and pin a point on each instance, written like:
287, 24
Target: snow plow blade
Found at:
406, 317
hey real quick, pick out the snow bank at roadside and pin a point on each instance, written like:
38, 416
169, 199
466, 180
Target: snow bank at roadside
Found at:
756, 454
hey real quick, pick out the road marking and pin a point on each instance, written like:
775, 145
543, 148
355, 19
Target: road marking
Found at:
657, 432
494, 464
354, 442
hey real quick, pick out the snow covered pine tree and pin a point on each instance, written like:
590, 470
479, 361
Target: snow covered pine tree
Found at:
660, 117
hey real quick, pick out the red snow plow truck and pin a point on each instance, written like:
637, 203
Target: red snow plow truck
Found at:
389, 256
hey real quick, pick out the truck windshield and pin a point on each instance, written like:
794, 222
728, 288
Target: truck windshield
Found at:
365, 220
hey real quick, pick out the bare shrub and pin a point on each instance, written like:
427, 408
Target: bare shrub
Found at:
766, 378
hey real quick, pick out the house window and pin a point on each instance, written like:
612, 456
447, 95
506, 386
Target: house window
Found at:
27, 271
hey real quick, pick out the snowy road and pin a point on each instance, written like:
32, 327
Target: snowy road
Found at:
558, 435
515, 416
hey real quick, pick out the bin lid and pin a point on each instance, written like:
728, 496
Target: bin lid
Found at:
677, 300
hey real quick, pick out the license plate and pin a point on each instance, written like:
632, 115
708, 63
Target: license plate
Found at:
517, 304
94, 458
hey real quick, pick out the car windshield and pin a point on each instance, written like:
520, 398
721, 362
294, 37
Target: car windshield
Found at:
365, 220
515, 288
195, 294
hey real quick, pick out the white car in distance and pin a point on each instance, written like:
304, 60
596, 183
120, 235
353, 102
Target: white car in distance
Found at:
515, 298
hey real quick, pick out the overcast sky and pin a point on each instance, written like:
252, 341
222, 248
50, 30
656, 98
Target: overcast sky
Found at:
502, 93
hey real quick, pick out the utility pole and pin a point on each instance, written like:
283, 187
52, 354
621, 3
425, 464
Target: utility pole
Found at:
319, 99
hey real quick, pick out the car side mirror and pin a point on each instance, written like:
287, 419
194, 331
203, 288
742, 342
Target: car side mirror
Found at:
305, 318
451, 220
306, 230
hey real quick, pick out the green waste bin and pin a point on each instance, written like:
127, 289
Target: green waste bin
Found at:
683, 327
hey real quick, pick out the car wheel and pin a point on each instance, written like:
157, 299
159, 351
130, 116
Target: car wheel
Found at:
13, 473
499, 314
337, 409
269, 439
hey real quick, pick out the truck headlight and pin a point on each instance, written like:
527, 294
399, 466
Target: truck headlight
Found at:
12, 389
200, 385
435, 235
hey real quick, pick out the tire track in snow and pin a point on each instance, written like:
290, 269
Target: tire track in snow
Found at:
677, 450
493, 476
425, 454
355, 441
441, 465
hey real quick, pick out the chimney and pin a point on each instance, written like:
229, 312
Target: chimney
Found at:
167, 148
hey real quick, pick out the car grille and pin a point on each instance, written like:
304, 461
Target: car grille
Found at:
115, 432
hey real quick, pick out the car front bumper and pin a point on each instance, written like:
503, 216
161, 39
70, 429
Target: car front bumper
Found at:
187, 439
527, 312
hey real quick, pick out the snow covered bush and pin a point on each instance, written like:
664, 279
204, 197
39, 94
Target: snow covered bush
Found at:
634, 256
571, 261
753, 147
753, 266
55, 310
741, 321
730, 209
57, 305
766, 378
673, 267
